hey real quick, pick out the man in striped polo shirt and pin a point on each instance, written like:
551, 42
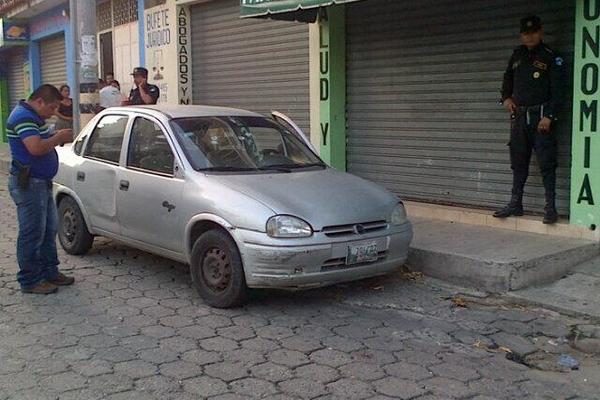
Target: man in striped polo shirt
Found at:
34, 164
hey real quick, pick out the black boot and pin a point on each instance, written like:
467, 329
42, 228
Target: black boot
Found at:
550, 214
514, 207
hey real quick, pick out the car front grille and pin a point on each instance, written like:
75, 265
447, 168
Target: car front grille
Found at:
334, 264
354, 229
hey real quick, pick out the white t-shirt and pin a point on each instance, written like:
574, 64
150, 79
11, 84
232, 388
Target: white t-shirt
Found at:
110, 96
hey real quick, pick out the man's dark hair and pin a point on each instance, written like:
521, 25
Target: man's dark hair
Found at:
48, 94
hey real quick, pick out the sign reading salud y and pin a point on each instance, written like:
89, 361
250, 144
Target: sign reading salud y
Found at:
585, 168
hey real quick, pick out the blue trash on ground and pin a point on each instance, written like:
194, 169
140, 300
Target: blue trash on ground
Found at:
567, 361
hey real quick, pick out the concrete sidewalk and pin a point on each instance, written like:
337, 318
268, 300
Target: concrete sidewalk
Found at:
491, 259
482, 257
576, 294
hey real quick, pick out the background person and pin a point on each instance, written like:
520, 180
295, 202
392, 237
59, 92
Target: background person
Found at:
65, 109
144, 92
34, 164
533, 92
110, 95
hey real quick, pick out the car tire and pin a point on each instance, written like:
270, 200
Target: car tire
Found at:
73, 234
217, 270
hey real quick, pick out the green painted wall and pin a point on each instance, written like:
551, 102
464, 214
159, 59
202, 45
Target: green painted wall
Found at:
332, 86
585, 167
4, 108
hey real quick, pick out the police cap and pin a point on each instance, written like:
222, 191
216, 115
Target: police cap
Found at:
140, 71
530, 24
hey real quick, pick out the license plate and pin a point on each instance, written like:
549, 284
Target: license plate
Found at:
362, 253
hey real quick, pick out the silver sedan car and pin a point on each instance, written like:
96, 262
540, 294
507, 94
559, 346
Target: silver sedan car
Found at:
243, 199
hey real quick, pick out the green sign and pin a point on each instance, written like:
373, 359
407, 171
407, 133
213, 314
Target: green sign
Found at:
585, 167
257, 8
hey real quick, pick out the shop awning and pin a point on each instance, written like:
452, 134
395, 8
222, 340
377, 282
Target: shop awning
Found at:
301, 10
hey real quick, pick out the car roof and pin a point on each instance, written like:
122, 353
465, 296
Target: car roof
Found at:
188, 111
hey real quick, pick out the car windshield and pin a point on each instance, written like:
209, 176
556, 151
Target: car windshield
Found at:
242, 144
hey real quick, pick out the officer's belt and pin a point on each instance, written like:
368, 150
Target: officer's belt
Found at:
528, 110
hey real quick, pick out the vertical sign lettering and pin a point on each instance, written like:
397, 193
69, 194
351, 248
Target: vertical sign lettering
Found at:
324, 78
184, 55
585, 173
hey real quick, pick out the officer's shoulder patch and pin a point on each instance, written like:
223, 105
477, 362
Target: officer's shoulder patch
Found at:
559, 61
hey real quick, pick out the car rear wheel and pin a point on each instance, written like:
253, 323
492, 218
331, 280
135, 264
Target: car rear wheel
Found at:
217, 270
73, 233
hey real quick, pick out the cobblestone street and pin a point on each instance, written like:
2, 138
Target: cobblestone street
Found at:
133, 328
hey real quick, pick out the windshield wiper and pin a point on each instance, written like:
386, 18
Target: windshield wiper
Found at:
292, 166
225, 169
280, 168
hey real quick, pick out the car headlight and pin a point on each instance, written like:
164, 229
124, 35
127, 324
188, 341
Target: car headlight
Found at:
398, 216
286, 226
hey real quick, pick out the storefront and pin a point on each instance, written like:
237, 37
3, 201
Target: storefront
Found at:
407, 92
423, 83
14, 39
49, 52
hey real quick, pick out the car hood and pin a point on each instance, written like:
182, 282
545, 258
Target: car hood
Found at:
322, 198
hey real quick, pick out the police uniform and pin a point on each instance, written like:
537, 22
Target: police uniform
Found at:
135, 98
534, 80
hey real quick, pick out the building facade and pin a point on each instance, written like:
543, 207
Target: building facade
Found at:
402, 93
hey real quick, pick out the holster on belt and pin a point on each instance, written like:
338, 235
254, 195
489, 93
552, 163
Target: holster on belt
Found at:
23, 174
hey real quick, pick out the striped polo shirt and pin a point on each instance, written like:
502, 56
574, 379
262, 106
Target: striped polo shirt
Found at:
23, 122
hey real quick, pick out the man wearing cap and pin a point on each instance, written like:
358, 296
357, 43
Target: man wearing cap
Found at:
143, 93
533, 92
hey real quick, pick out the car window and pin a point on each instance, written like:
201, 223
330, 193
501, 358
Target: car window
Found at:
78, 145
149, 148
245, 143
107, 138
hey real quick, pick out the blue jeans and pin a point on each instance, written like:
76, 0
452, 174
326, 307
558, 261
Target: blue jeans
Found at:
38, 223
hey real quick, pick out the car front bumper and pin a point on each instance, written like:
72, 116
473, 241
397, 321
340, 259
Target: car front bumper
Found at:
320, 261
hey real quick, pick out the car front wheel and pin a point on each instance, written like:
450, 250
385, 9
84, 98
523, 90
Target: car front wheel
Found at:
217, 270
73, 234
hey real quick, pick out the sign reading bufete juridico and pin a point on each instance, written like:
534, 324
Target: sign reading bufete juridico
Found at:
585, 169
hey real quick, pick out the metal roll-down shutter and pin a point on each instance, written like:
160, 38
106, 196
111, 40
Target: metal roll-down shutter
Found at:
422, 97
255, 64
53, 61
16, 78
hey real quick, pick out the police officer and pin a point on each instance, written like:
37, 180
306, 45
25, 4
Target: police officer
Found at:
533, 92
143, 93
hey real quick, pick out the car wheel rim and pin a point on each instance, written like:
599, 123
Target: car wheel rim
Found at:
216, 270
69, 226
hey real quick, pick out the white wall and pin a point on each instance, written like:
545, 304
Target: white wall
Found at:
126, 54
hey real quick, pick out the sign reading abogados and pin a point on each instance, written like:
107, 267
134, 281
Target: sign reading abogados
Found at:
255, 8
585, 169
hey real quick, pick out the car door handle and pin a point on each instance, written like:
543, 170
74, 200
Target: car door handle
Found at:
80, 176
168, 206
124, 185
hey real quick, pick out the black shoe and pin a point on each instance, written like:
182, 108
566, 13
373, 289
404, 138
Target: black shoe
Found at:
550, 216
514, 207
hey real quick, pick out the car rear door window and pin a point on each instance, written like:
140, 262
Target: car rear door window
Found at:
107, 139
149, 149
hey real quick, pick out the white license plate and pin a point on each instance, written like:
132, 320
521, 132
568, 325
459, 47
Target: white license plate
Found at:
362, 253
